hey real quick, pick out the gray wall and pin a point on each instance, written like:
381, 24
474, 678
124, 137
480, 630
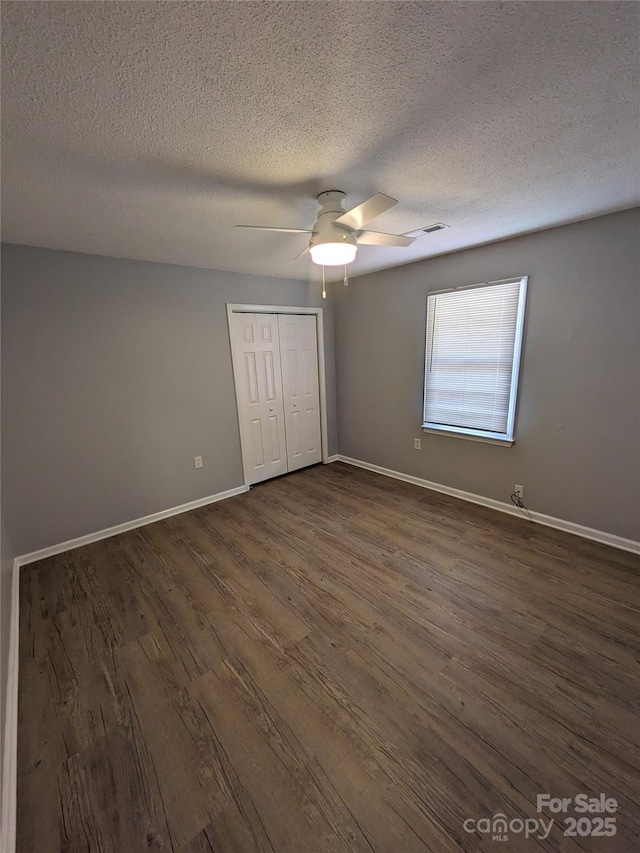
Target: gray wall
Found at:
577, 448
6, 566
115, 374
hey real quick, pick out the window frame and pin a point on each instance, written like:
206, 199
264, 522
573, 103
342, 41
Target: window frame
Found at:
500, 438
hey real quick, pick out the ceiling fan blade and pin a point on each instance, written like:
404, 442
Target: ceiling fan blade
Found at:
378, 238
365, 212
282, 230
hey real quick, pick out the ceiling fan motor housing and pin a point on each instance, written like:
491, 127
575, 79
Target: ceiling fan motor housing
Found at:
326, 231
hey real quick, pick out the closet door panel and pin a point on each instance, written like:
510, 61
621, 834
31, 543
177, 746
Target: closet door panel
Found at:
299, 359
255, 350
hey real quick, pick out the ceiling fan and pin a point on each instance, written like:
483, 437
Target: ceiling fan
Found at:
337, 233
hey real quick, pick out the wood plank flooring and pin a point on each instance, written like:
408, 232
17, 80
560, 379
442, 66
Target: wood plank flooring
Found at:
334, 662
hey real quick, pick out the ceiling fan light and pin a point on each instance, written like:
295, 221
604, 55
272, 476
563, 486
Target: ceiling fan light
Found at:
333, 254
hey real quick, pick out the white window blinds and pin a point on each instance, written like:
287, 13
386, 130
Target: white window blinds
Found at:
472, 359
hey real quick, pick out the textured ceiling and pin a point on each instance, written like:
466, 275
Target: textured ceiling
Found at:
146, 130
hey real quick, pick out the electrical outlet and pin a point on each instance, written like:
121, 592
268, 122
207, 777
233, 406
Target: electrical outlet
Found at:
197, 461
519, 491
417, 444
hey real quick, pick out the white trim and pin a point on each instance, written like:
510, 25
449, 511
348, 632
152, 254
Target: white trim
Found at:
517, 356
322, 381
459, 432
10, 759
70, 544
538, 517
479, 284
240, 308
334, 458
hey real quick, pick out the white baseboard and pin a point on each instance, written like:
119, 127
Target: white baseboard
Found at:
334, 458
70, 544
537, 517
10, 758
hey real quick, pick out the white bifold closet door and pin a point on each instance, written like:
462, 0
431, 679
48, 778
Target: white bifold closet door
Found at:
275, 364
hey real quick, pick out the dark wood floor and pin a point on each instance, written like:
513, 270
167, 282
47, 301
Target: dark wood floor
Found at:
333, 662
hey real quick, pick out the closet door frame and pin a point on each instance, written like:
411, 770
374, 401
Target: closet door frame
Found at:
240, 308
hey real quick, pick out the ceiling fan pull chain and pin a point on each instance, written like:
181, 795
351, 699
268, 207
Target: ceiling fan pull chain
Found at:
346, 280
324, 286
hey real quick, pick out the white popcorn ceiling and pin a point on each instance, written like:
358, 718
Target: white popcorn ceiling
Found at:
146, 130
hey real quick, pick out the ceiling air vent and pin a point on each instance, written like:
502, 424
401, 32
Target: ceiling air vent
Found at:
428, 229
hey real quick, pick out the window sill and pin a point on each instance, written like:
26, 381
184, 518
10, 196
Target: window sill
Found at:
469, 436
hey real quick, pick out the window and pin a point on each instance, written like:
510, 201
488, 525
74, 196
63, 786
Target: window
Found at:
474, 337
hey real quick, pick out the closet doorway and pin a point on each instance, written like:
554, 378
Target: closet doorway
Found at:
278, 369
